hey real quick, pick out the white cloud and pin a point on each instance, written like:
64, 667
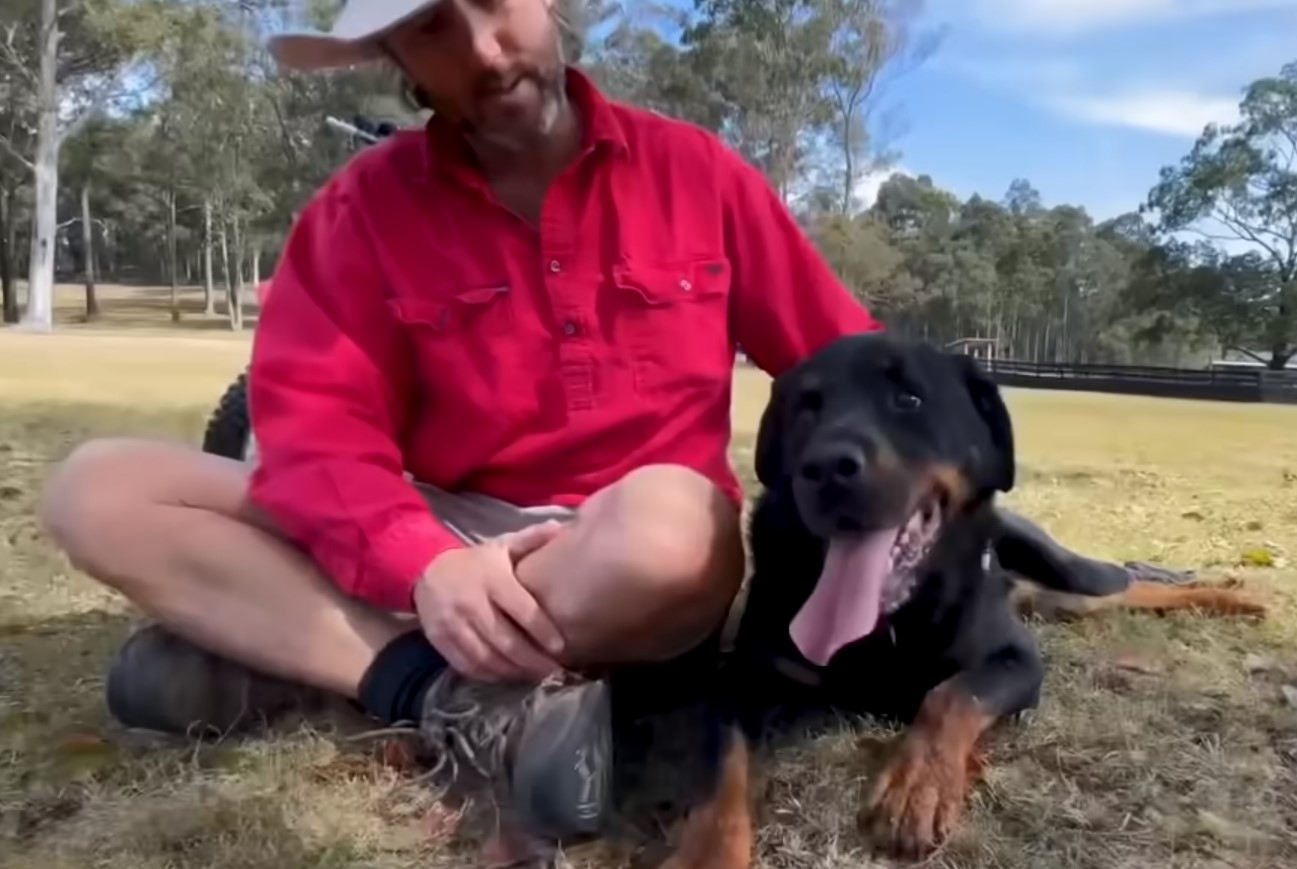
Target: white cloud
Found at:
867, 186
1064, 17
1170, 112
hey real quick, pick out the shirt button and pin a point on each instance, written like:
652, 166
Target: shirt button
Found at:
555, 266
569, 328
686, 285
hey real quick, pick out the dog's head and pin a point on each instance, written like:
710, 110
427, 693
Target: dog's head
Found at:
879, 443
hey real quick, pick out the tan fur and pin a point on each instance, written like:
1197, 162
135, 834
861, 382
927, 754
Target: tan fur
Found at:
1215, 599
719, 834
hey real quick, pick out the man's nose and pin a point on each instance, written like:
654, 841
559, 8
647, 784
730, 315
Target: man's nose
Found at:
483, 35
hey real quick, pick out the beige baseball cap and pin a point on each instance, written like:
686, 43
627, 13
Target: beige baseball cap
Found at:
354, 37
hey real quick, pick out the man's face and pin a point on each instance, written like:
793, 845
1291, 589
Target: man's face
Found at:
494, 67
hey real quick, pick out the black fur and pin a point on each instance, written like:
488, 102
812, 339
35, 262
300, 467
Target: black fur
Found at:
848, 439
900, 409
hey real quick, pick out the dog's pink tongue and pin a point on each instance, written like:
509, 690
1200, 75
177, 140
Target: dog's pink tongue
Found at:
847, 598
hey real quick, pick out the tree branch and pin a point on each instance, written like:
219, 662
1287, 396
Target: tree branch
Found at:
13, 152
99, 97
11, 58
1253, 234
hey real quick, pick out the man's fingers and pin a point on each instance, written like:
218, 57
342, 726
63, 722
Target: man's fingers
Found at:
465, 651
455, 659
518, 604
523, 543
482, 660
521, 651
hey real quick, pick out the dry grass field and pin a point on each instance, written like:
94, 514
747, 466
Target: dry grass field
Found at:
1163, 742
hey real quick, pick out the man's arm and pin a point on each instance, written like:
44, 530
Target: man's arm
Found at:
330, 389
787, 302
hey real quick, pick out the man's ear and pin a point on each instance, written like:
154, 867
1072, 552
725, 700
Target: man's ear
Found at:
769, 454
1000, 468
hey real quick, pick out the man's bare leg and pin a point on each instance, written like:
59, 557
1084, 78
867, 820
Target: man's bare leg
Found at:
647, 570
172, 530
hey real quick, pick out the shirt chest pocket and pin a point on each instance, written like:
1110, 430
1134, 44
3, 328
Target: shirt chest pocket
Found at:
462, 340
673, 321
458, 313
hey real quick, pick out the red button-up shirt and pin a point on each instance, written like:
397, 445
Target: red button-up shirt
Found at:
415, 324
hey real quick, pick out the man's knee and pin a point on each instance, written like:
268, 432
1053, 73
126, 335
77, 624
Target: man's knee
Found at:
99, 500
670, 526
82, 499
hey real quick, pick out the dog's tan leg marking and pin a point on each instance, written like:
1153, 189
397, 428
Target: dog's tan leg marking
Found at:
1211, 599
917, 800
719, 834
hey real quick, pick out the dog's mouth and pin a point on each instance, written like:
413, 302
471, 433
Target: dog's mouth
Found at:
866, 576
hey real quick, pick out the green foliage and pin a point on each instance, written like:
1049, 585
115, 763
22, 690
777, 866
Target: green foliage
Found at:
1239, 185
194, 148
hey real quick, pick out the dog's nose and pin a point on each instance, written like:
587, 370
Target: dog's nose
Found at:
839, 462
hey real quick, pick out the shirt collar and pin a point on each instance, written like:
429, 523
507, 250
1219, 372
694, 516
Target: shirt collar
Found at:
601, 128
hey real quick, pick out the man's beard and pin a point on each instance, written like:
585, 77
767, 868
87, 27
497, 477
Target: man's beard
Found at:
516, 137
550, 82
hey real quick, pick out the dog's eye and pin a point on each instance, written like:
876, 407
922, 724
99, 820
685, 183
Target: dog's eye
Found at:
906, 400
810, 400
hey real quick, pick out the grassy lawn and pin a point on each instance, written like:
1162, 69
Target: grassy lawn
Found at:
1160, 742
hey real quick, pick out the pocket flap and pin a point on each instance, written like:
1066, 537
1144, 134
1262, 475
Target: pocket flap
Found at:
437, 312
673, 283
480, 295
421, 312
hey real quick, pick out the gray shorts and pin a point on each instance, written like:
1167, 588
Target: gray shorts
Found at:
474, 517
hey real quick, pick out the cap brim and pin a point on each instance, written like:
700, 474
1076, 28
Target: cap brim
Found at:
312, 51
358, 40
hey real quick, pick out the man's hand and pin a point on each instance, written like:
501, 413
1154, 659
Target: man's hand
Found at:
480, 618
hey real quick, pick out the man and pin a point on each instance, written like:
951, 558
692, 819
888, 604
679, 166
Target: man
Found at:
531, 307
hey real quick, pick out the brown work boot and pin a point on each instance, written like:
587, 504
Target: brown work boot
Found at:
546, 750
162, 683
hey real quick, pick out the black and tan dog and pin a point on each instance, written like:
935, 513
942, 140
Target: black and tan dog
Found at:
877, 585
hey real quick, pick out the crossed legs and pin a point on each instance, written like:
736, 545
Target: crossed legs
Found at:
647, 570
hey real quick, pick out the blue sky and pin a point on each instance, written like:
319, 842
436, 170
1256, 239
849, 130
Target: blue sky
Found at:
1087, 99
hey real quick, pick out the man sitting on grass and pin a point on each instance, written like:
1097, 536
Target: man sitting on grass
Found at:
531, 307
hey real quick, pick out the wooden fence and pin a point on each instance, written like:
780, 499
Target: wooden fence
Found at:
1208, 384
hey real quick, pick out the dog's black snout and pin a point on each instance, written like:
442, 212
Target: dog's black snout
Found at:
839, 462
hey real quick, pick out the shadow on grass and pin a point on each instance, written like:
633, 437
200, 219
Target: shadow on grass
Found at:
72, 792
51, 685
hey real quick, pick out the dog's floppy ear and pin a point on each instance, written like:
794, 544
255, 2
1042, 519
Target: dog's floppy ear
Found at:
999, 469
769, 455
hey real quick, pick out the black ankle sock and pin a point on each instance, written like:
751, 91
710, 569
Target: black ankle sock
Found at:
394, 685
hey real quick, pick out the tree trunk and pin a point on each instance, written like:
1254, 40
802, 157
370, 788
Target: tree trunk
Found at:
88, 254
8, 245
209, 288
39, 315
256, 267
173, 268
230, 312
107, 253
236, 297
848, 159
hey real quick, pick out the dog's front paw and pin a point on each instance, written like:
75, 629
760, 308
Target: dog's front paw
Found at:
917, 800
